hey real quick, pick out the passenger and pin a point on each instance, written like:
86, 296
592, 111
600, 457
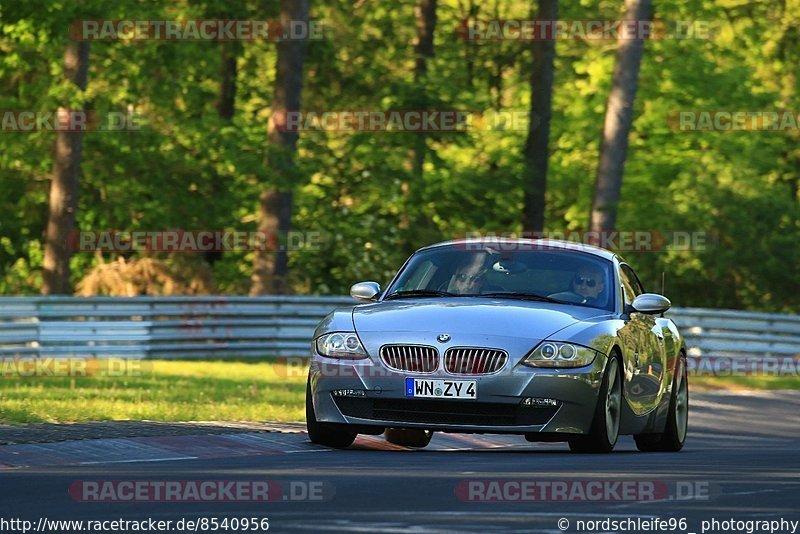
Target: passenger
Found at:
588, 283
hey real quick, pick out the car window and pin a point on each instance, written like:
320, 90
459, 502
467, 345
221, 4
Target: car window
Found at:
421, 275
572, 276
630, 283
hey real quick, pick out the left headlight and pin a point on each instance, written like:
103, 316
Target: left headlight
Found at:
345, 345
559, 354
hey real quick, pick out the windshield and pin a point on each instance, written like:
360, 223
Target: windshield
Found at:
542, 274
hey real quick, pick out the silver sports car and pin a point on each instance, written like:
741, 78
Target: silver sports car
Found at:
553, 340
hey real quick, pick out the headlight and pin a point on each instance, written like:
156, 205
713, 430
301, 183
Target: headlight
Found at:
341, 345
558, 354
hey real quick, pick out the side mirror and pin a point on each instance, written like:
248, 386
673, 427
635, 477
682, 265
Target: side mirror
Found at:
651, 303
366, 291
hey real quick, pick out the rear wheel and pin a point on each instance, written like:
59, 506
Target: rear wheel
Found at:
674, 435
408, 437
328, 434
605, 426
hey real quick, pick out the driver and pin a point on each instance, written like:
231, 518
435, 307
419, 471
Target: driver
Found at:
588, 283
469, 277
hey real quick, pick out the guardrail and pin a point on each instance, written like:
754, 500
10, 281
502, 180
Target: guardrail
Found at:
220, 327
738, 333
161, 327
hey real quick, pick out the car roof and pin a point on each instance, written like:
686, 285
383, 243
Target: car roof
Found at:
505, 242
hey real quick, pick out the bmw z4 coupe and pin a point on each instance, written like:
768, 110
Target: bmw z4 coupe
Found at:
552, 340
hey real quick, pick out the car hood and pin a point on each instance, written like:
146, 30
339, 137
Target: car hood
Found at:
467, 316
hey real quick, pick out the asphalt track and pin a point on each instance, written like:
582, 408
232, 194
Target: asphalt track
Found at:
742, 458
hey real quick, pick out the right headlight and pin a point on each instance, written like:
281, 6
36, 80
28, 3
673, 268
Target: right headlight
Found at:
342, 345
559, 354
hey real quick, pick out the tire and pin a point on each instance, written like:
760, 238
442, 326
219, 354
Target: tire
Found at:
410, 437
674, 435
328, 434
605, 425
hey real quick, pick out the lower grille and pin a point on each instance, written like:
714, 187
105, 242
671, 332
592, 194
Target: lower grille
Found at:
444, 412
412, 358
473, 361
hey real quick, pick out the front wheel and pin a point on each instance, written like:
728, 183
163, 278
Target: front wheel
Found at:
674, 435
605, 426
328, 434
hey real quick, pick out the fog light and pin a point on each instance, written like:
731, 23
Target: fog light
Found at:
349, 393
539, 403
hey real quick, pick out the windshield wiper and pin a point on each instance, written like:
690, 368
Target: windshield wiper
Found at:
521, 296
419, 293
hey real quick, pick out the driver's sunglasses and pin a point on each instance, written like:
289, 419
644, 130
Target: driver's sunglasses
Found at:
464, 277
579, 281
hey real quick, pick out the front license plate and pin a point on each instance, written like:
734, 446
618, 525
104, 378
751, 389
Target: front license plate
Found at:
440, 389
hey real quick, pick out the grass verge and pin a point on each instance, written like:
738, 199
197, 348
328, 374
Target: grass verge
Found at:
264, 390
744, 382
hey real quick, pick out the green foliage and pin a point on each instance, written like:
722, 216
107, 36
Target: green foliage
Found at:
188, 168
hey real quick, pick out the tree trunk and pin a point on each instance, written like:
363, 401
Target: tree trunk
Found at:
275, 217
425, 14
226, 109
426, 26
64, 186
423, 51
227, 90
537, 146
617, 126
470, 12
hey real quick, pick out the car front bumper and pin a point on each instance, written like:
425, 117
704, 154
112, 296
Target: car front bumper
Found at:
381, 400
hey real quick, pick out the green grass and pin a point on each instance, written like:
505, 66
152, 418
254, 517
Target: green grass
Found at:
265, 390
745, 382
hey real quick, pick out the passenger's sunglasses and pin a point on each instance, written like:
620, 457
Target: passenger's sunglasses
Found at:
579, 281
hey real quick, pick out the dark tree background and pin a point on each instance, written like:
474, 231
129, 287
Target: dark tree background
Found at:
205, 156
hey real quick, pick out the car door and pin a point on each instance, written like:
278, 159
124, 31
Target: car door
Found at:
645, 342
